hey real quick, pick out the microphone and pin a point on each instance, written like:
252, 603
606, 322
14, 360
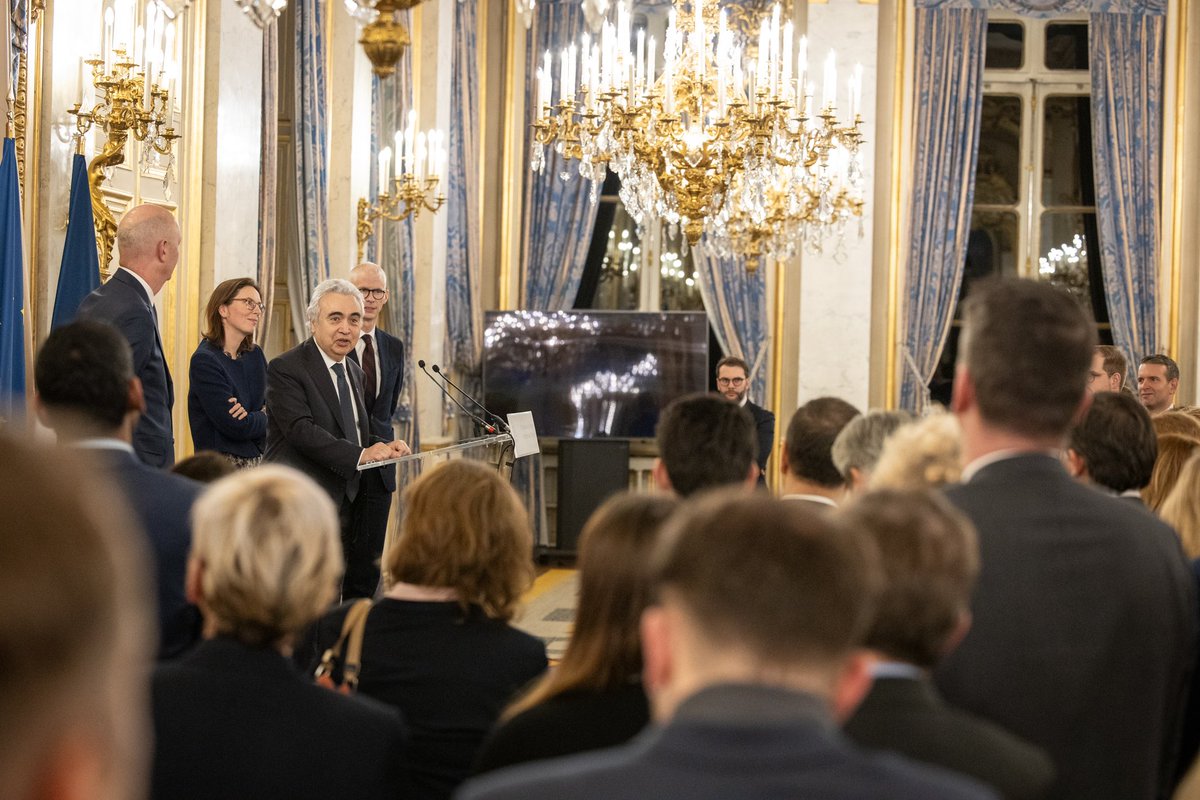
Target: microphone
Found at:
503, 425
443, 390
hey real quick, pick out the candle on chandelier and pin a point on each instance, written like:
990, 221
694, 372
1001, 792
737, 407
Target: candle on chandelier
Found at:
773, 79
829, 91
785, 81
419, 157
397, 165
409, 142
385, 168
547, 81
802, 62
138, 39
699, 37
108, 39
856, 92
651, 55
764, 50
639, 72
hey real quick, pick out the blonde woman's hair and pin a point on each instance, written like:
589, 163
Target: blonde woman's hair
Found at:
267, 539
1181, 509
922, 455
465, 529
1174, 450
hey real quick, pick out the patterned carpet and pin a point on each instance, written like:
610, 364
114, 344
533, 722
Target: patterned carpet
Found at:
549, 609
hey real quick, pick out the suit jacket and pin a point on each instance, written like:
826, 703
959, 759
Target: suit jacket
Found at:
123, 303
162, 502
906, 716
1084, 628
731, 741
232, 721
304, 428
391, 381
764, 428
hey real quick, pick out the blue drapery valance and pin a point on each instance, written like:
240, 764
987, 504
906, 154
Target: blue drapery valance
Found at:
1054, 8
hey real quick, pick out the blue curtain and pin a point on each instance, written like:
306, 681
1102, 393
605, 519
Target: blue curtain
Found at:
392, 245
559, 218
736, 302
312, 146
949, 98
268, 176
559, 214
464, 316
1126, 52
18, 39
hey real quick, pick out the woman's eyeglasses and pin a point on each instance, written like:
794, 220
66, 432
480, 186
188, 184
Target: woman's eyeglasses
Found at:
251, 305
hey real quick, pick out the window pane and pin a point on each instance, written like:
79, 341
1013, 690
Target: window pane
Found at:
678, 288
998, 176
991, 247
1067, 152
1005, 45
1067, 45
610, 275
1068, 242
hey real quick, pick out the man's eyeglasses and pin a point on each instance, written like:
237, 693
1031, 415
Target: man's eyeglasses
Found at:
378, 294
251, 305
730, 381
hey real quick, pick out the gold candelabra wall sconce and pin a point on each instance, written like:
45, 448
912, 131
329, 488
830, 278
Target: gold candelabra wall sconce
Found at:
133, 98
412, 187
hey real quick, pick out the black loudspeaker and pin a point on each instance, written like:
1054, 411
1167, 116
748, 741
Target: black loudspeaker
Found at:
589, 472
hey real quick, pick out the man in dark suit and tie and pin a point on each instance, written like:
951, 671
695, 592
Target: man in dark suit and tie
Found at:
88, 394
733, 381
930, 559
1084, 616
746, 684
317, 419
381, 357
148, 245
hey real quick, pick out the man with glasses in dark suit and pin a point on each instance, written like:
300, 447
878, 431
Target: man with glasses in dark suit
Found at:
733, 381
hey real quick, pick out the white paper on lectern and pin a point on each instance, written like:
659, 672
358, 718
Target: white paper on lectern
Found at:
524, 434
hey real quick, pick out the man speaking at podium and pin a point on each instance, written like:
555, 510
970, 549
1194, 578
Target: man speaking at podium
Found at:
317, 422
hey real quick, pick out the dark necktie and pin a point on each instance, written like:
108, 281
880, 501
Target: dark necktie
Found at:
345, 401
368, 368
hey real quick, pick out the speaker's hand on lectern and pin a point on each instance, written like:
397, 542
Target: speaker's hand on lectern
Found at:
376, 452
399, 448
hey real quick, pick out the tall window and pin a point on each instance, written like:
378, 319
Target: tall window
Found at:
1035, 205
628, 271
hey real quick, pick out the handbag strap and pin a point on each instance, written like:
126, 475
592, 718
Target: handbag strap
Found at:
351, 633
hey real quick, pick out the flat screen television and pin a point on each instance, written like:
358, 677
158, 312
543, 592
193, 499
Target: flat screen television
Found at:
593, 374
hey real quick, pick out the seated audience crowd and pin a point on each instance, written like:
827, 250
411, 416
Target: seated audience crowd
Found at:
997, 600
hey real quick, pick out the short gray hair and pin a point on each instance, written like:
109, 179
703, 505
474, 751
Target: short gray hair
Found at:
861, 441
331, 286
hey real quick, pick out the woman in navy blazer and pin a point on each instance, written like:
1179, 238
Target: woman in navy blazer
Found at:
228, 377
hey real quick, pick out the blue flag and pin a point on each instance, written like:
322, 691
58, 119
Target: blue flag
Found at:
79, 274
12, 290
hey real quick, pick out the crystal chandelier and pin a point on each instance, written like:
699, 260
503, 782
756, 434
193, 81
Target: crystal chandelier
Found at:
384, 36
262, 12
705, 143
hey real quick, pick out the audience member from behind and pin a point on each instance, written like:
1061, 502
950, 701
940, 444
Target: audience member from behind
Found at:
1107, 373
1173, 452
594, 697
234, 717
76, 629
1181, 509
228, 376
207, 466
1113, 447
1052, 655
1176, 422
148, 245
1158, 379
733, 381
87, 393
809, 474
856, 449
930, 560
438, 645
924, 455
751, 657
705, 441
